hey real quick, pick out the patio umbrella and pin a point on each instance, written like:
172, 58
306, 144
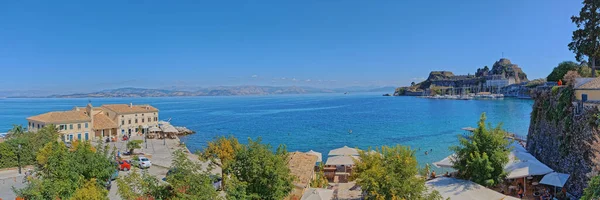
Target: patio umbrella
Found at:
341, 160
317, 194
446, 162
154, 129
344, 151
319, 155
515, 156
517, 147
555, 179
525, 168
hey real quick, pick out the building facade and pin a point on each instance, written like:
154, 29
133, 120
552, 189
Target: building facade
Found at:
91, 123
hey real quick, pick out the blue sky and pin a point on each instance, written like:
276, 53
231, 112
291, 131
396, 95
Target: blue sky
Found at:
92, 45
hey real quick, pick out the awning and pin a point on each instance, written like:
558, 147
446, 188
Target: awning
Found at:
154, 129
517, 147
319, 155
451, 188
317, 194
341, 160
520, 169
344, 151
169, 129
515, 156
446, 162
555, 179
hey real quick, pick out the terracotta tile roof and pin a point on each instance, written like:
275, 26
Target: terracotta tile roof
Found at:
129, 109
62, 117
302, 166
591, 85
101, 121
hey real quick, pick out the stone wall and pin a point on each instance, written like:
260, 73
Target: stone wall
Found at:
565, 138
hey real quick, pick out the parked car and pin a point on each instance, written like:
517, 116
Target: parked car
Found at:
144, 162
124, 165
114, 175
108, 185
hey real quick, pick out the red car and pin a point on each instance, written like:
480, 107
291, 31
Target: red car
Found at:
124, 165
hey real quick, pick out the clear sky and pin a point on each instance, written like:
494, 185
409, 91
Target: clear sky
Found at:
91, 45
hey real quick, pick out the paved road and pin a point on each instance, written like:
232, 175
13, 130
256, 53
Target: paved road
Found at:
9, 179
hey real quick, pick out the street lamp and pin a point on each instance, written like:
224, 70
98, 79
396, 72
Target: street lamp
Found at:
19, 158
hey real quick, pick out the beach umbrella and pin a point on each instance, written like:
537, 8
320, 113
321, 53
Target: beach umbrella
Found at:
452, 188
317, 194
446, 162
515, 156
344, 151
341, 160
319, 155
555, 179
517, 147
154, 129
525, 168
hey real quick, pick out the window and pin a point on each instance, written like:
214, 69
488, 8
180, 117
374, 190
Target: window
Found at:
149, 119
136, 115
136, 121
78, 126
38, 126
122, 122
130, 121
29, 124
142, 120
142, 114
71, 126
86, 125
106, 114
155, 118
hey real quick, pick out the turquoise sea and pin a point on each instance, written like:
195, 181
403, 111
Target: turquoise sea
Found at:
320, 122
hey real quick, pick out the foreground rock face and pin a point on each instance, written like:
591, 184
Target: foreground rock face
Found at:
563, 138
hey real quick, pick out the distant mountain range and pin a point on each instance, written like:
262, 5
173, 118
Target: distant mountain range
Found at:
210, 91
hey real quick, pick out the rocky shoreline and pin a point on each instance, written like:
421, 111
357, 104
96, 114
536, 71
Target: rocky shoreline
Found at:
184, 130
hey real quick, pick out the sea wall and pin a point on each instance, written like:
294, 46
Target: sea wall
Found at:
563, 134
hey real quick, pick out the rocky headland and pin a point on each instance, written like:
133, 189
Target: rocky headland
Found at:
502, 69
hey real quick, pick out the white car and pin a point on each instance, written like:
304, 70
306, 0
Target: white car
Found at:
144, 162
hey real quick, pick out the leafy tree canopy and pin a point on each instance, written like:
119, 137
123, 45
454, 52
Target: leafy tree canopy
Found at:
260, 173
586, 37
593, 189
481, 156
391, 174
559, 71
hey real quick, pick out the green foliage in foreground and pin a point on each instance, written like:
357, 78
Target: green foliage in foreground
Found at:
30, 143
187, 180
259, 173
559, 71
61, 171
593, 189
481, 157
391, 174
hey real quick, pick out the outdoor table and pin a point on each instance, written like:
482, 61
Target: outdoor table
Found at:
512, 189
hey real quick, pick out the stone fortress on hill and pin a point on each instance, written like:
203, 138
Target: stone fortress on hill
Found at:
503, 77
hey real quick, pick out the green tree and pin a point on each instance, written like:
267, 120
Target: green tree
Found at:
264, 174
221, 152
391, 174
481, 156
559, 71
134, 186
320, 180
55, 179
586, 37
592, 191
134, 144
90, 191
189, 180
